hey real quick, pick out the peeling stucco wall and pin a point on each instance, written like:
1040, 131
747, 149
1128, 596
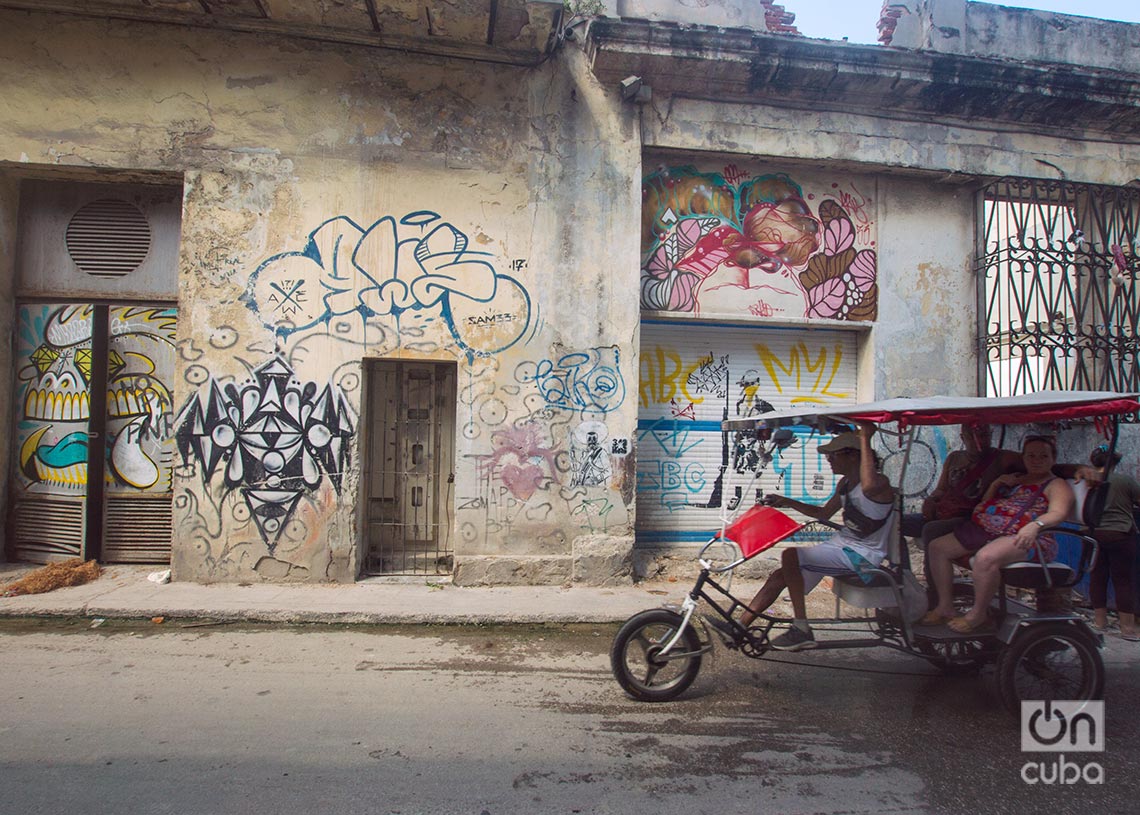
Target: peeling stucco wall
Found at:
926, 342
887, 144
759, 15
305, 166
1013, 34
343, 203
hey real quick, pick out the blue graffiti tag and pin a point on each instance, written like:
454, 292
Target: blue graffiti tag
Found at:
589, 381
417, 263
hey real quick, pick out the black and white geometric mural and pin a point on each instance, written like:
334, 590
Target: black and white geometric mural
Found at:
275, 438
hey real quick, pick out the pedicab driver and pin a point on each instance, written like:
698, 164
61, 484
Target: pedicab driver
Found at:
867, 500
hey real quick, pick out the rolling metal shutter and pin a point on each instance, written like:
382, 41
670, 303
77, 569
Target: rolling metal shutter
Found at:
692, 376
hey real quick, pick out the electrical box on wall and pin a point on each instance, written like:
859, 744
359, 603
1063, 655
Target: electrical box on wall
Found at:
101, 240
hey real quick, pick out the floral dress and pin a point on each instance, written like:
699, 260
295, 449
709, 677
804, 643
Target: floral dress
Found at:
1013, 508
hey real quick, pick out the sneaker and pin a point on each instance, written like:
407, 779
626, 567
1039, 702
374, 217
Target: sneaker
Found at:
794, 640
1131, 636
723, 628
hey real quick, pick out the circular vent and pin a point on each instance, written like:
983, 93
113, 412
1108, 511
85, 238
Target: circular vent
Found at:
108, 238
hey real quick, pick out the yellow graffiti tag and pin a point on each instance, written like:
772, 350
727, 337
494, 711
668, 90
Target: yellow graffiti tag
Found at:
663, 376
792, 374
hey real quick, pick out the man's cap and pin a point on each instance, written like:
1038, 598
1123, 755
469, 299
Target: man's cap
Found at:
844, 441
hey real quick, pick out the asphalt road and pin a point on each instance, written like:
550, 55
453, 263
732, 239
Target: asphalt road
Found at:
223, 719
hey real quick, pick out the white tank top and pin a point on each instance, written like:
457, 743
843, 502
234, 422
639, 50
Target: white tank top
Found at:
873, 546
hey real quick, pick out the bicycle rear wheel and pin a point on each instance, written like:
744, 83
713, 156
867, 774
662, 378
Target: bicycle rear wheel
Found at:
1048, 661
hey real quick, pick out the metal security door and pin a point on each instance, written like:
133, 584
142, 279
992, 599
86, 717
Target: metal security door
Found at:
408, 467
51, 432
92, 477
695, 375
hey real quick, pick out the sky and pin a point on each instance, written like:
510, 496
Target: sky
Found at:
856, 19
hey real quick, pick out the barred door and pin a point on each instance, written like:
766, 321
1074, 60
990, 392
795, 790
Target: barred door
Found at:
408, 474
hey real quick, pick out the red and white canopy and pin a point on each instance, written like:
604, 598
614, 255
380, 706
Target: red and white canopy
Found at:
1043, 406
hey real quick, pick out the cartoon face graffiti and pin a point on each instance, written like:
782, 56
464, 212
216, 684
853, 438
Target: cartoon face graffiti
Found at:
140, 360
57, 400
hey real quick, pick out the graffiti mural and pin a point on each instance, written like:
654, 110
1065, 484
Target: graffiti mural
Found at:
760, 245
140, 406
54, 379
274, 439
689, 468
417, 264
54, 370
541, 459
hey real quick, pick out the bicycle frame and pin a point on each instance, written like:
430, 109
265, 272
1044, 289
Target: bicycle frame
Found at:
757, 646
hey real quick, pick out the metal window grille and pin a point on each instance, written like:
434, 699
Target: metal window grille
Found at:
1057, 293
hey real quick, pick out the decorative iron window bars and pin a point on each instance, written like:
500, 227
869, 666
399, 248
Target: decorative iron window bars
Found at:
1057, 287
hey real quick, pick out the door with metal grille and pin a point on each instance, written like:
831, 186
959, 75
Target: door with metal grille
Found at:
408, 466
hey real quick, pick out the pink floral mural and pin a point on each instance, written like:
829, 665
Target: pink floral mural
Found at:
755, 246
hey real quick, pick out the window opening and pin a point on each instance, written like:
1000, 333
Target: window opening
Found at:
1057, 290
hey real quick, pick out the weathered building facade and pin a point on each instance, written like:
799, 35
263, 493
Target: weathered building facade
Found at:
306, 291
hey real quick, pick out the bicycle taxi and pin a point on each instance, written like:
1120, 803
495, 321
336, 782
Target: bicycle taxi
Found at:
1040, 651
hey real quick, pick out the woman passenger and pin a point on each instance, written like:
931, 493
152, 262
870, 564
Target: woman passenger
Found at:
1005, 528
1116, 535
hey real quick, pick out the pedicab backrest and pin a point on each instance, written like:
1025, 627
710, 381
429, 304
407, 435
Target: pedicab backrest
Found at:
895, 541
1092, 510
898, 588
1088, 508
1076, 554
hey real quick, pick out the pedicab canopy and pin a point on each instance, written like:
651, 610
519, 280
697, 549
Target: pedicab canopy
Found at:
1043, 406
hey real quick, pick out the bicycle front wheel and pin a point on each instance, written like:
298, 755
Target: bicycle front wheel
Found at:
638, 664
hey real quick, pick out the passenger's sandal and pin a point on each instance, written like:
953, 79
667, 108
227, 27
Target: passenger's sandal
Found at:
933, 618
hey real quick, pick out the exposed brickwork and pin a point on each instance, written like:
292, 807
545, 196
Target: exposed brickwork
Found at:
777, 19
889, 19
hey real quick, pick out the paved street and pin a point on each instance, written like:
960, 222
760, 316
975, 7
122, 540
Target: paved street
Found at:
188, 718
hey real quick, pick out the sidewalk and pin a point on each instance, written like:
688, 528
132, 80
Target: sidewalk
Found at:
125, 592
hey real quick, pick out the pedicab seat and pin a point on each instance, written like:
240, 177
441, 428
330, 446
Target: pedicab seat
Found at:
1030, 574
855, 592
873, 580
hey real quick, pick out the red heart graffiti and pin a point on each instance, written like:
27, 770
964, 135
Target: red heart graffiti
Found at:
521, 481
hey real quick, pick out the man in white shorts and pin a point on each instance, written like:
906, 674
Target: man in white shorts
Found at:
867, 500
